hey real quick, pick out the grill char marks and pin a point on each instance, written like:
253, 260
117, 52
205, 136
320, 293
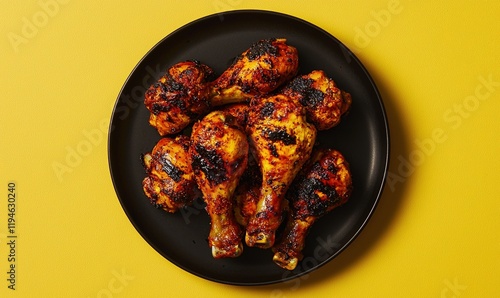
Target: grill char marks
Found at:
209, 162
317, 206
262, 48
279, 135
267, 110
308, 96
171, 170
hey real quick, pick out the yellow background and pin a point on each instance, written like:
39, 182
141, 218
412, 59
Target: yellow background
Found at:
435, 232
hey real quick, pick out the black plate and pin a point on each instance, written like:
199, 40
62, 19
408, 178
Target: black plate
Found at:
215, 40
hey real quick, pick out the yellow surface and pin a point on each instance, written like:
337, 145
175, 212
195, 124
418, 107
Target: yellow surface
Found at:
435, 232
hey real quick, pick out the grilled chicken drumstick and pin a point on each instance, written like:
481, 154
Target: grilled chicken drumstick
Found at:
262, 68
187, 91
281, 142
219, 156
325, 103
179, 97
170, 184
322, 185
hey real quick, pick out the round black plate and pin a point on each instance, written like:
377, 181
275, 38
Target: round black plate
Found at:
362, 136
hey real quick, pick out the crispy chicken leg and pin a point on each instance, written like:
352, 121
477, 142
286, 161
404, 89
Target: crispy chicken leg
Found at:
179, 97
281, 141
322, 185
325, 103
219, 156
170, 183
186, 91
259, 70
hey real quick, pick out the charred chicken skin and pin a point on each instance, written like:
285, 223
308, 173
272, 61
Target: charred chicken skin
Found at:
179, 97
219, 156
325, 103
322, 185
170, 183
187, 91
281, 141
262, 68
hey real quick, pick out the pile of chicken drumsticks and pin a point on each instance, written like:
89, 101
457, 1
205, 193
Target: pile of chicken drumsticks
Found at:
251, 154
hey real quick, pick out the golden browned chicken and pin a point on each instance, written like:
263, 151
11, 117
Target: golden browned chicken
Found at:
170, 183
186, 91
179, 97
325, 103
281, 141
262, 68
219, 156
323, 184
